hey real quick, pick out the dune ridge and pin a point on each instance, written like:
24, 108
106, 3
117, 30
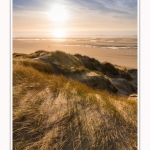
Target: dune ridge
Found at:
104, 76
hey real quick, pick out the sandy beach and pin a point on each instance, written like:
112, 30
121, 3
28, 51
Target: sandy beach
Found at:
121, 51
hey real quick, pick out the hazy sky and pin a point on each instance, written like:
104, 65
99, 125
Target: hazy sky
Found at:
109, 17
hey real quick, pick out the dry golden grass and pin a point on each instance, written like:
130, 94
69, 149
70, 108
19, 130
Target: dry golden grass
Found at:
55, 113
36, 64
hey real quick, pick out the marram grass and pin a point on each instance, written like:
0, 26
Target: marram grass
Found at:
55, 113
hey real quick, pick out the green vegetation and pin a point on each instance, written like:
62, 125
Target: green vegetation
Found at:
52, 112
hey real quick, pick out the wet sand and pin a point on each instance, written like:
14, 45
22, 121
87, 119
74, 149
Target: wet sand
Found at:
118, 51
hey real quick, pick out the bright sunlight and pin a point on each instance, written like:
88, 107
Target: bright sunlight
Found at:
58, 13
59, 33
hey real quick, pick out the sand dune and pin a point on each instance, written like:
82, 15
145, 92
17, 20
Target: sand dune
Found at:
65, 102
103, 76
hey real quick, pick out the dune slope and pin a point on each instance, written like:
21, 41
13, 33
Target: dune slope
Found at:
53, 108
103, 76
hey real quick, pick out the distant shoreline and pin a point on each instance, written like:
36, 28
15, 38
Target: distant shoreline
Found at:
75, 36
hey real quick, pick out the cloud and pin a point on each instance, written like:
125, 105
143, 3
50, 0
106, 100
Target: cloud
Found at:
111, 7
121, 7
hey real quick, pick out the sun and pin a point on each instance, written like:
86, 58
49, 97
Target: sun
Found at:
58, 13
59, 33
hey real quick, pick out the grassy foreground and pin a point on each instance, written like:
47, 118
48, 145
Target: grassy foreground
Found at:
52, 112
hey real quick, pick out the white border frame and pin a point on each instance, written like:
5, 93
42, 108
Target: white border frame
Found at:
5, 75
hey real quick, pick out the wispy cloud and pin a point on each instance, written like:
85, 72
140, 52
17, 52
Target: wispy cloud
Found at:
111, 7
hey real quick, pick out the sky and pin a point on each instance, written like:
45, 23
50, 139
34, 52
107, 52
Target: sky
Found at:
74, 17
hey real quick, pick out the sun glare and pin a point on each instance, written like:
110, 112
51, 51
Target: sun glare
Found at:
58, 13
59, 33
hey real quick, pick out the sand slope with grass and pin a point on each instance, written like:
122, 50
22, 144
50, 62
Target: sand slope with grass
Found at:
104, 76
63, 101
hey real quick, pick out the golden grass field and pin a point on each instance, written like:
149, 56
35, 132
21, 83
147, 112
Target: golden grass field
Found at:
55, 112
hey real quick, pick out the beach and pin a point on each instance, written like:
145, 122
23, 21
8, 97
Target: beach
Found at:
121, 51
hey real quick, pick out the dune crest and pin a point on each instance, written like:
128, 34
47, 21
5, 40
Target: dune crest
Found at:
104, 76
